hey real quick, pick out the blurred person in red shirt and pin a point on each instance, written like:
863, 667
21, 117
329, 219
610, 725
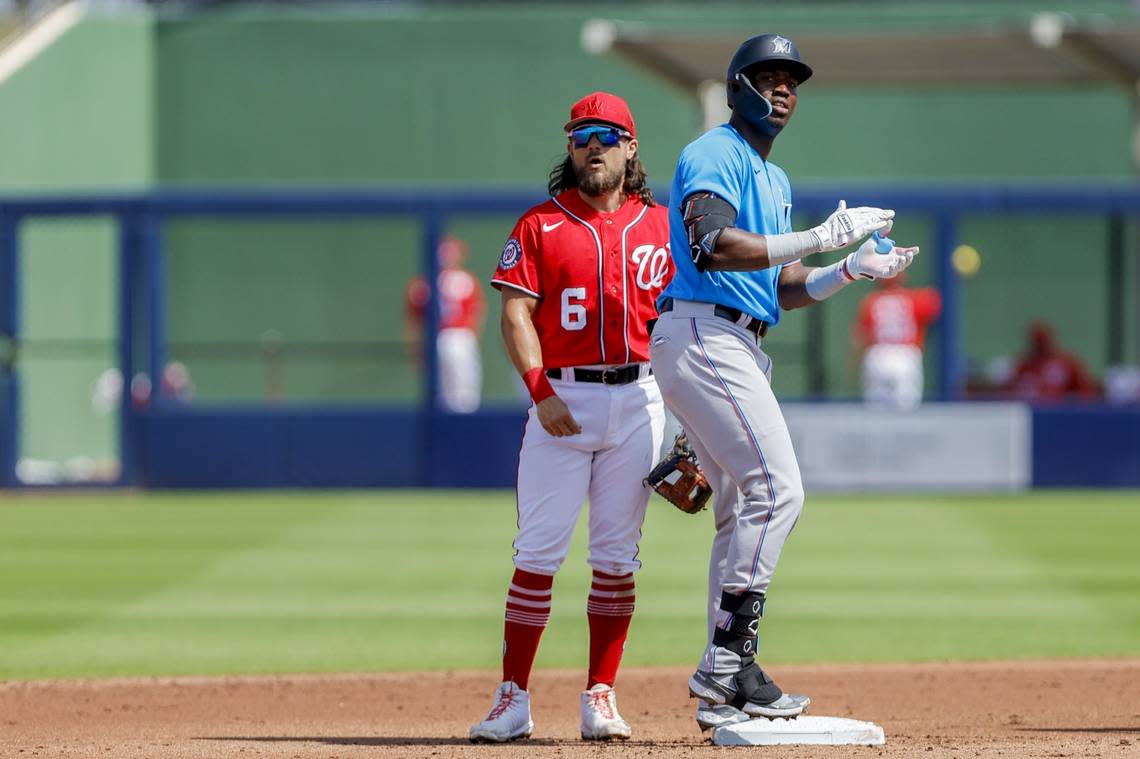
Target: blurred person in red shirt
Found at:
462, 310
1047, 373
889, 333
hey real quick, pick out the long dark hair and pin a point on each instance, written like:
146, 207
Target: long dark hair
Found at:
562, 177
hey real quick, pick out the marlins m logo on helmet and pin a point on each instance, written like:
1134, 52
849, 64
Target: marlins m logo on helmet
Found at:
781, 45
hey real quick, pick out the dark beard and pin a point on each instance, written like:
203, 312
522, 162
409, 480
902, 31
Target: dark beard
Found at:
603, 183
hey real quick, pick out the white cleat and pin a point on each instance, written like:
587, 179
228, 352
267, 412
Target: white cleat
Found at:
765, 700
600, 718
710, 716
509, 718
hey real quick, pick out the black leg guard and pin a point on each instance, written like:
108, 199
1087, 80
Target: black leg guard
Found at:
743, 631
754, 686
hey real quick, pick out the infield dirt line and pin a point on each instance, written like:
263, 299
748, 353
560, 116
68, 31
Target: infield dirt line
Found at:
942, 709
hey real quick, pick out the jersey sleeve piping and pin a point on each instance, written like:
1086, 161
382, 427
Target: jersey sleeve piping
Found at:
500, 284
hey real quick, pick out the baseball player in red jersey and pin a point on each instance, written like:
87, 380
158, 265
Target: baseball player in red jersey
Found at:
1045, 372
890, 331
462, 309
579, 276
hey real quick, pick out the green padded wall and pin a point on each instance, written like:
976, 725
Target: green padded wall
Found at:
78, 117
453, 95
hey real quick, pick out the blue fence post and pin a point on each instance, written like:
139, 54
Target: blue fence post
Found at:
949, 344
154, 284
129, 235
9, 349
430, 411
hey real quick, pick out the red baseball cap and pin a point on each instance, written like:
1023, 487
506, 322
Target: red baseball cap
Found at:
603, 107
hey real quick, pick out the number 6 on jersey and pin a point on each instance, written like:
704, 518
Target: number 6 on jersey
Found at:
573, 314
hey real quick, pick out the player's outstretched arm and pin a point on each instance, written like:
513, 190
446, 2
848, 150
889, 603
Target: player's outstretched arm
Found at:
716, 244
801, 286
521, 340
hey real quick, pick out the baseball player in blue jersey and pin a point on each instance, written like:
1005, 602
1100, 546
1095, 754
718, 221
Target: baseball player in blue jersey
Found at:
737, 265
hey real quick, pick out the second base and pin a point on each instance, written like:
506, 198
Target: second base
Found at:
827, 731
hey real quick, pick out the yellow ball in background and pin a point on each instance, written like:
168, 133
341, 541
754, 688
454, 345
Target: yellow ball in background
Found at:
966, 260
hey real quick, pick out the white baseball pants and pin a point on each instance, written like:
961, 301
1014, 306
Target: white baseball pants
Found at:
892, 376
622, 430
460, 370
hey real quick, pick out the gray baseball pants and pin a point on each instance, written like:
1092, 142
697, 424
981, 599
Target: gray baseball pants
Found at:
715, 378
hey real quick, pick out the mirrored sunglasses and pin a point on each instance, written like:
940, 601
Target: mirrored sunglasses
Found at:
607, 136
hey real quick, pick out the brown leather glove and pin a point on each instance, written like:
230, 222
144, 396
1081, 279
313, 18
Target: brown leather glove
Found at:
679, 480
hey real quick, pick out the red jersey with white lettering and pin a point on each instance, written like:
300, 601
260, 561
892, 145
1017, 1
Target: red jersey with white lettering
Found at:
596, 275
1052, 377
461, 300
898, 316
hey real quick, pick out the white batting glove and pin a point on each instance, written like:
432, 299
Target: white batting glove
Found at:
847, 225
865, 263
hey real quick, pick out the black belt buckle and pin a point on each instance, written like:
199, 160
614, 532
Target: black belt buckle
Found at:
616, 375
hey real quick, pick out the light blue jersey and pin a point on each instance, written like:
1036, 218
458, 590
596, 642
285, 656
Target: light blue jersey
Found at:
721, 162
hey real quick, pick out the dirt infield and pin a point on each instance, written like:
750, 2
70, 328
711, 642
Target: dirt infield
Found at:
1030, 709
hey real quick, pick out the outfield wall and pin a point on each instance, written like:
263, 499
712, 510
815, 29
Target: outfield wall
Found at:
246, 97
460, 95
78, 116
1004, 447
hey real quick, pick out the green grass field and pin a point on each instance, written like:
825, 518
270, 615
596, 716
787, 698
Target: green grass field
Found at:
141, 584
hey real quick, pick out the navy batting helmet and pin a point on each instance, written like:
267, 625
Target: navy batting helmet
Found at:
765, 48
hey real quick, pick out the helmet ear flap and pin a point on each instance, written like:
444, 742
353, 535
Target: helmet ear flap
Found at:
744, 85
744, 99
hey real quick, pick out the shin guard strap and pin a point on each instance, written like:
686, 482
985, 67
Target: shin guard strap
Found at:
743, 604
740, 643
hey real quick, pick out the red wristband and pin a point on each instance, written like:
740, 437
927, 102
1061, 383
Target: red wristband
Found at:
537, 385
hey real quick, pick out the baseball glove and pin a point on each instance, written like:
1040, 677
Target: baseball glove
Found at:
679, 480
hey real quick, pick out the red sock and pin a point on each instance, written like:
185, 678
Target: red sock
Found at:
609, 609
528, 611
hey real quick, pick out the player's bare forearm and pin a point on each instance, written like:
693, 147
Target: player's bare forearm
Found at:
479, 319
791, 288
716, 243
737, 250
525, 350
519, 334
414, 340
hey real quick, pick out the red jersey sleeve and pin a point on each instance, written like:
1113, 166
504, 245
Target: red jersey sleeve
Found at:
1081, 382
519, 262
478, 302
416, 299
863, 327
927, 305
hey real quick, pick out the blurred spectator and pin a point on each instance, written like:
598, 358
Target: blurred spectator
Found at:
176, 385
889, 334
462, 309
1047, 373
108, 390
1122, 384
